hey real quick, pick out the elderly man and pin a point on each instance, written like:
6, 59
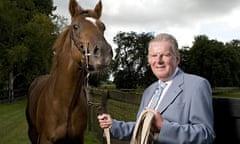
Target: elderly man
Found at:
181, 102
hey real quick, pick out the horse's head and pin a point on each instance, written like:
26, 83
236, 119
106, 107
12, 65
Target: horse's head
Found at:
89, 47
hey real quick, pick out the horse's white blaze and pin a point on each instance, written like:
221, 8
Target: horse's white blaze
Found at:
92, 20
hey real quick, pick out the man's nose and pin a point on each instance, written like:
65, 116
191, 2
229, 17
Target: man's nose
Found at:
160, 60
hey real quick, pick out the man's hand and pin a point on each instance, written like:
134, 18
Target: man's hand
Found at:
157, 122
105, 121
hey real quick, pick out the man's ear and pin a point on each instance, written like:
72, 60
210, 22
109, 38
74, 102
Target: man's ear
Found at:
178, 59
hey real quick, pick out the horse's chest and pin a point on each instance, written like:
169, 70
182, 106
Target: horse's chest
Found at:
66, 125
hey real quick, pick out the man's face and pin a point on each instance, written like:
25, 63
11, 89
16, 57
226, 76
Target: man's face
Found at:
162, 60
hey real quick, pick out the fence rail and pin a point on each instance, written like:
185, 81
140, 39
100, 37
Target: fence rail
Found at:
17, 93
124, 106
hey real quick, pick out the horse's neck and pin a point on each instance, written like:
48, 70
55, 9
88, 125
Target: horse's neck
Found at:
67, 77
68, 80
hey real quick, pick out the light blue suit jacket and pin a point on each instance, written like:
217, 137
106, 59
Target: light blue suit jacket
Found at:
186, 110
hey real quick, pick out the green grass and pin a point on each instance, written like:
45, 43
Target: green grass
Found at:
13, 126
226, 92
122, 111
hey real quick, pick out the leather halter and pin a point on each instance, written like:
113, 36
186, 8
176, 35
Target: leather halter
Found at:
84, 50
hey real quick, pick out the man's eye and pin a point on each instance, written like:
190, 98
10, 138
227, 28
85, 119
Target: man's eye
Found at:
167, 55
153, 55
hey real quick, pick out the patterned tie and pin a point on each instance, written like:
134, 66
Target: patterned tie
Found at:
157, 94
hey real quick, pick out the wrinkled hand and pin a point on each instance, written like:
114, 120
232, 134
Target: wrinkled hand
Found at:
105, 121
157, 122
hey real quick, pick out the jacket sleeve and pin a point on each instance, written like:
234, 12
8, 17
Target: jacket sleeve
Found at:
122, 130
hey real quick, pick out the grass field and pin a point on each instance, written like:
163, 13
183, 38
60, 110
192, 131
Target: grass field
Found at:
12, 123
13, 126
226, 92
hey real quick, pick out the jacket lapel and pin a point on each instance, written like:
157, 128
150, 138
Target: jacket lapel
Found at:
173, 91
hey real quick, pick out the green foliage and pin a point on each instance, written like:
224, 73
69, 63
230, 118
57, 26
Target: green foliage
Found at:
17, 54
98, 79
12, 50
125, 79
214, 60
44, 6
39, 38
27, 35
130, 64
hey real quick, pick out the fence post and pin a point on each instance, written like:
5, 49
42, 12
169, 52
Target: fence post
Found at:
104, 100
90, 113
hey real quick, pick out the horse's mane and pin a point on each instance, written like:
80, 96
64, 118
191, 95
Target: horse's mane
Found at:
58, 47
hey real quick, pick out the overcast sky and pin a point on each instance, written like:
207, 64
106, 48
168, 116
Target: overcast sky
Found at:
218, 19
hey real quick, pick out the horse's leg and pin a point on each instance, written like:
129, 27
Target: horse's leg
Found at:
33, 135
82, 139
32, 131
44, 140
79, 140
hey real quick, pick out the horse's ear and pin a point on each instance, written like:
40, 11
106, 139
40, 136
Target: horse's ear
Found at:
74, 8
98, 9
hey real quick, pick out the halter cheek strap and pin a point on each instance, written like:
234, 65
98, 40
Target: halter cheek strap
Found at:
87, 54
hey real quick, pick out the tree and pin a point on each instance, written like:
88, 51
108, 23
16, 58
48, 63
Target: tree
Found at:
130, 62
213, 60
26, 40
13, 51
44, 6
184, 58
39, 37
233, 48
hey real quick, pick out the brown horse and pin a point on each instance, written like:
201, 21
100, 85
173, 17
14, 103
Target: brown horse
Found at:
57, 107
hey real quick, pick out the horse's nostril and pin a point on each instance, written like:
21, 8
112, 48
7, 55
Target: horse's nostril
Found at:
96, 51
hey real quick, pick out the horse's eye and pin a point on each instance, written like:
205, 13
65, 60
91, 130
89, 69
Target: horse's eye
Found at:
76, 26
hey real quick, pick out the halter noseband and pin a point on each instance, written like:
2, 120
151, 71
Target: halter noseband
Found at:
84, 50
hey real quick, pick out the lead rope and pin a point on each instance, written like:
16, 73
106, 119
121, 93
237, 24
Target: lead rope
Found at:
98, 107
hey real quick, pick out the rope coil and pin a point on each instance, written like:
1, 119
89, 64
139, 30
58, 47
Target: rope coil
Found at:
142, 132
